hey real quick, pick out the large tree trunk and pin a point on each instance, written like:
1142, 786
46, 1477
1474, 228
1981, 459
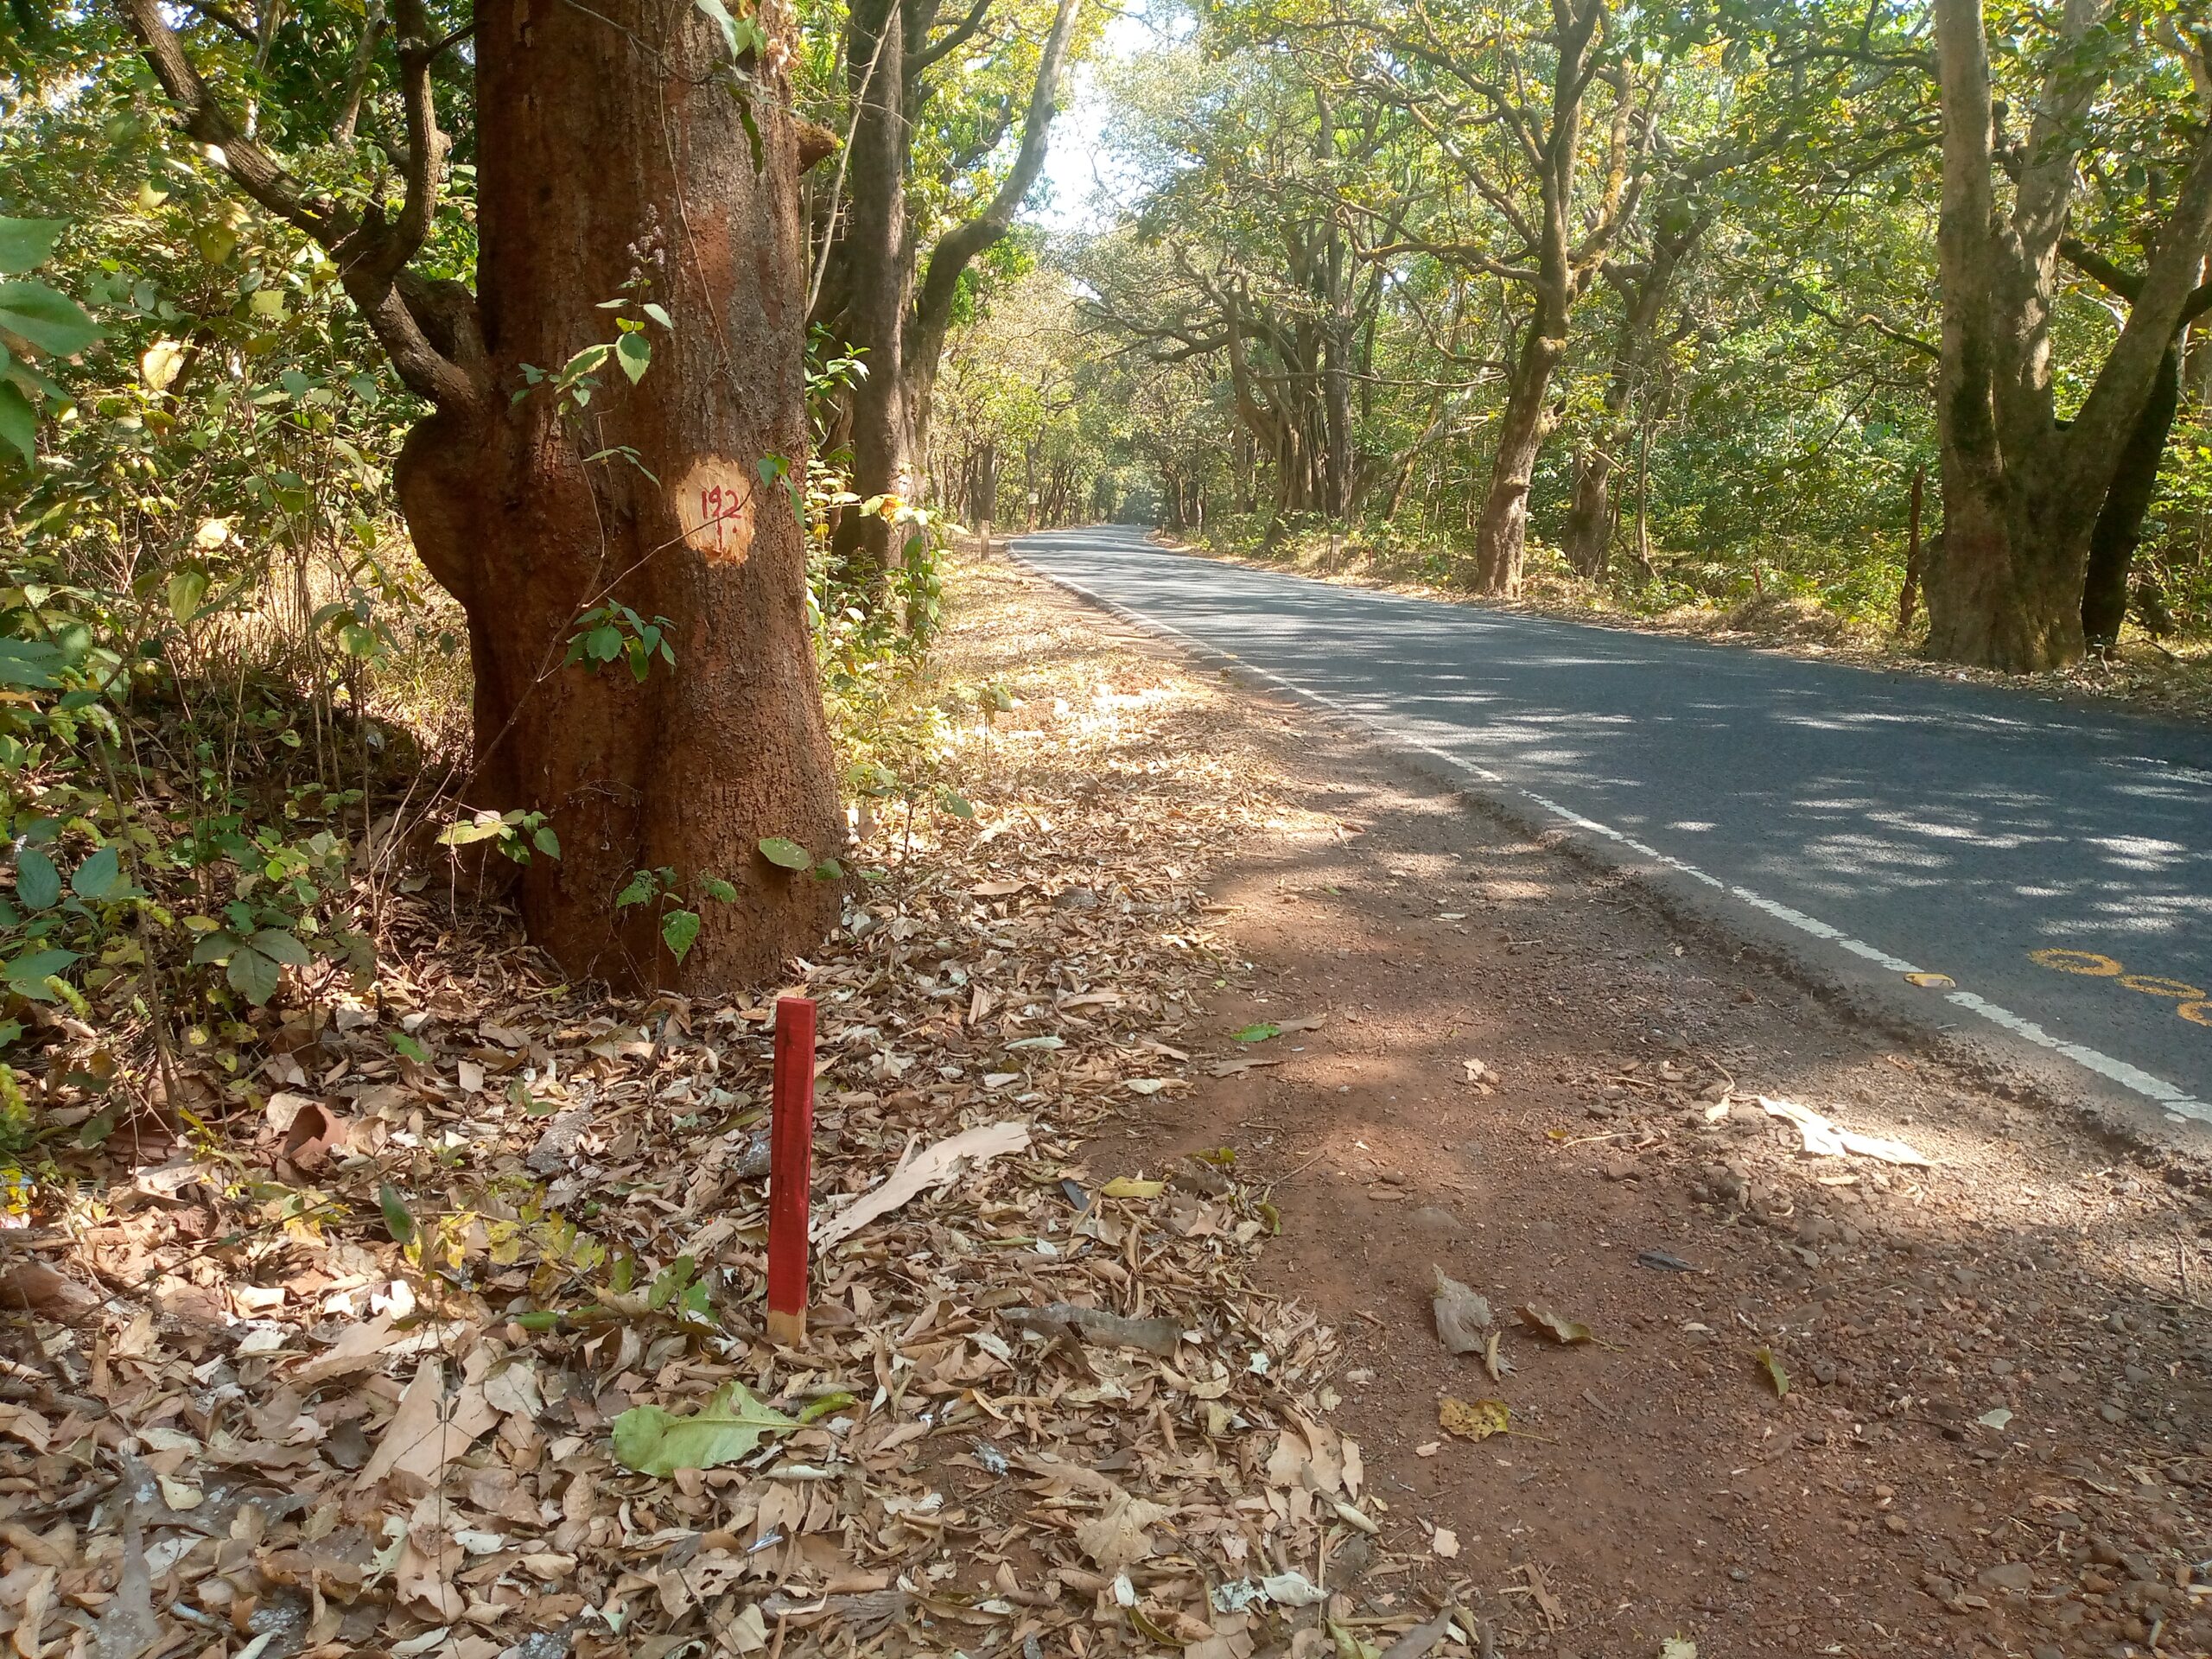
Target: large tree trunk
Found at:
1502, 533
614, 161
611, 147
2021, 494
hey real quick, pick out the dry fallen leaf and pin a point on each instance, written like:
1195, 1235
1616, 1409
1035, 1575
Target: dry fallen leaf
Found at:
1118, 1537
1460, 1314
1475, 1421
1559, 1328
1129, 1186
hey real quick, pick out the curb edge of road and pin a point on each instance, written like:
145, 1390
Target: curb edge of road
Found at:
1993, 1055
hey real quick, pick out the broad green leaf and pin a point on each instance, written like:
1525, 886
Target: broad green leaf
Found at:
1258, 1033
18, 421
253, 976
38, 883
546, 841
29, 972
470, 830
398, 1221
25, 243
785, 855
29, 662
640, 889
717, 889
634, 353
658, 312
403, 1044
655, 1442
279, 945
721, 14
51, 320
99, 877
680, 928
187, 589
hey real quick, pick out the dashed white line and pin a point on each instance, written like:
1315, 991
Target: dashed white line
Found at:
2177, 1103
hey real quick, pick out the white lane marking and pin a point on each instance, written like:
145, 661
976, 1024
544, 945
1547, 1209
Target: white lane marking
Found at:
2177, 1103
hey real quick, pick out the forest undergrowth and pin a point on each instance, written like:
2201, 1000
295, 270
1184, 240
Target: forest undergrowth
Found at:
422, 1311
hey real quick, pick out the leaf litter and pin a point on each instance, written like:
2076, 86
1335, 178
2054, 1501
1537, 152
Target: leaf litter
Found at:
474, 1368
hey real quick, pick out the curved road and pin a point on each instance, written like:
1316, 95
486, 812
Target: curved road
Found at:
2055, 862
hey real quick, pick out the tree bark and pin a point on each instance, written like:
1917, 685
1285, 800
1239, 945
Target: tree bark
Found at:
1563, 268
2021, 494
612, 160
874, 279
1588, 539
2118, 529
1502, 532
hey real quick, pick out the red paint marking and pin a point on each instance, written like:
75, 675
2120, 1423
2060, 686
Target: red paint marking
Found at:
790, 1169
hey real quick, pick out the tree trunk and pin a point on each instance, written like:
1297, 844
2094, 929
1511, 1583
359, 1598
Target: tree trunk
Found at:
2118, 530
875, 272
1501, 535
1915, 552
2022, 494
689, 769
1588, 537
612, 162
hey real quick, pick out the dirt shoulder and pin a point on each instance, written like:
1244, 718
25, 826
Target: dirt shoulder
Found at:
1994, 1426
2143, 675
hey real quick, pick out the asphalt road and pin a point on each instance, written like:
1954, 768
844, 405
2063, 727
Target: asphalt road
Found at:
1882, 823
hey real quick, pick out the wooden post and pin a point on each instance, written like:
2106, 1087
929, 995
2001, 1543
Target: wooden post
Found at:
790, 1170
1909, 596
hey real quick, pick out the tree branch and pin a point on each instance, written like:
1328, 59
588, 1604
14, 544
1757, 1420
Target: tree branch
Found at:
369, 257
950, 41
958, 246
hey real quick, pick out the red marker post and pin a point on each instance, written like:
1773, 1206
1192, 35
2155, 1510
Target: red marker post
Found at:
790, 1170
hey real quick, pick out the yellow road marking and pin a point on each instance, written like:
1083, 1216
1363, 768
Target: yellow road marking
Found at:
2078, 962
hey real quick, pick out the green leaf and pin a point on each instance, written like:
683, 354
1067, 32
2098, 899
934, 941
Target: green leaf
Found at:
822, 1405
547, 843
403, 1044
279, 945
25, 243
48, 319
38, 884
641, 890
679, 929
253, 976
187, 589
18, 420
717, 889
1258, 1033
658, 312
655, 1442
29, 972
470, 830
99, 877
634, 353
828, 870
959, 805
720, 13
29, 662
398, 1221
785, 855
